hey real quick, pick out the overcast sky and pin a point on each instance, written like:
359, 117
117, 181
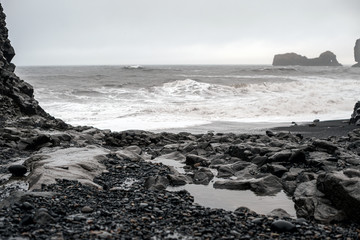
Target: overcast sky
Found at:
82, 32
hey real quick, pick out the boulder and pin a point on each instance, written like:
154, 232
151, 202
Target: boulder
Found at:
280, 213
310, 203
298, 156
325, 59
17, 170
282, 226
326, 146
282, 156
277, 169
343, 190
267, 185
192, 159
355, 116
131, 153
203, 176
229, 170
178, 179
156, 183
82, 164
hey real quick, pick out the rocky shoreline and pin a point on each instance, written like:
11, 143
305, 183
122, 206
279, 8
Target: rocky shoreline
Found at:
63, 182
128, 198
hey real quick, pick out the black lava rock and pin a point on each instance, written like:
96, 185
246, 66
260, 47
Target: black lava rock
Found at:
17, 170
283, 226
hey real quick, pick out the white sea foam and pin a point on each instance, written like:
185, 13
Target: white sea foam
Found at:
188, 102
184, 96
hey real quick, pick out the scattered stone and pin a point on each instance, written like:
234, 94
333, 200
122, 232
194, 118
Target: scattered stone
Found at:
280, 213
17, 170
43, 217
87, 209
156, 183
298, 156
192, 160
268, 185
283, 226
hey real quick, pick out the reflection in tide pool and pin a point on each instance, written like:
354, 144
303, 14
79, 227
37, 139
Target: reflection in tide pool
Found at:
229, 200
232, 199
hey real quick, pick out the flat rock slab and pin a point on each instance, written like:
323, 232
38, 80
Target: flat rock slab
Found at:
81, 164
268, 185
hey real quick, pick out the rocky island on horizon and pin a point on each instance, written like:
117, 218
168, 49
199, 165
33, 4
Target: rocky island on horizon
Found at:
325, 59
64, 182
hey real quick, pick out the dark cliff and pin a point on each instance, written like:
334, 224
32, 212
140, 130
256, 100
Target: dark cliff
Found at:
325, 59
357, 53
16, 96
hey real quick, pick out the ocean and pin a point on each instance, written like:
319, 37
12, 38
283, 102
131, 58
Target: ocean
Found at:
190, 98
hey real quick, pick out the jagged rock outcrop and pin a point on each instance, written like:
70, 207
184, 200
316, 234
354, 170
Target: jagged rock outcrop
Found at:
357, 53
16, 96
325, 59
355, 116
342, 189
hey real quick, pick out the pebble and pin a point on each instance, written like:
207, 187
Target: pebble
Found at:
87, 209
282, 226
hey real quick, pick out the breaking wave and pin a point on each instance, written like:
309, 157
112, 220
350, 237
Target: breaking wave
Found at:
121, 104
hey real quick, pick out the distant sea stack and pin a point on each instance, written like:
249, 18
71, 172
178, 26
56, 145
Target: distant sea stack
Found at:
325, 59
357, 53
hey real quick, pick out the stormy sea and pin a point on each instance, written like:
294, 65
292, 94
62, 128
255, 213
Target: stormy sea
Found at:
224, 98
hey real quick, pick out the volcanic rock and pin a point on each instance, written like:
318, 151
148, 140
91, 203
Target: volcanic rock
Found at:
357, 53
17, 170
283, 226
81, 164
355, 116
311, 203
192, 159
268, 185
325, 59
343, 192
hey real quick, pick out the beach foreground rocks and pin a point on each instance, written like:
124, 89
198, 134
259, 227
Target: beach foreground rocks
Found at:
86, 183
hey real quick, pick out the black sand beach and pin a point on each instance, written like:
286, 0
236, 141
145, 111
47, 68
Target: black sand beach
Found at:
61, 182
320, 129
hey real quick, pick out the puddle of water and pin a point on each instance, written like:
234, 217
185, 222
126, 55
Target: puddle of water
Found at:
226, 199
232, 199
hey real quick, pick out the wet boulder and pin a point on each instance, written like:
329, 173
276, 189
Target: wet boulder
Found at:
282, 226
266, 185
343, 190
192, 159
178, 179
355, 116
310, 203
17, 170
156, 183
203, 176
326, 146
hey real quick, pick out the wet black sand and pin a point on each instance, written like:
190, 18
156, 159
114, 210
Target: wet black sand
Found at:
321, 129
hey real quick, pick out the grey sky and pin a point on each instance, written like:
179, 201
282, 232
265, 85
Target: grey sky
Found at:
65, 32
